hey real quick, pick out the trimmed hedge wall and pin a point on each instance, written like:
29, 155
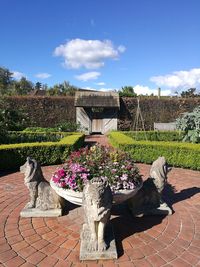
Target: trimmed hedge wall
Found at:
16, 137
47, 153
156, 135
46, 111
184, 155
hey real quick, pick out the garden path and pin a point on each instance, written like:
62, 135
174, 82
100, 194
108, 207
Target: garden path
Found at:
151, 241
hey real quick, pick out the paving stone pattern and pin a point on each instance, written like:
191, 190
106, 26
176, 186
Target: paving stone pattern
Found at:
149, 241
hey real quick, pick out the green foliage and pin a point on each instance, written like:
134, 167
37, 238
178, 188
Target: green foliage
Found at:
156, 135
11, 119
68, 126
177, 154
189, 122
5, 80
40, 129
14, 137
127, 91
190, 93
47, 153
64, 88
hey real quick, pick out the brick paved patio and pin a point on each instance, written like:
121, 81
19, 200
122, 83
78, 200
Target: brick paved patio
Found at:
150, 241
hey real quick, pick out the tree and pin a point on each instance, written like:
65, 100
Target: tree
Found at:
5, 80
190, 93
23, 87
127, 91
64, 88
38, 86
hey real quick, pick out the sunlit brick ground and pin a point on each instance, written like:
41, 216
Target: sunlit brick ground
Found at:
149, 241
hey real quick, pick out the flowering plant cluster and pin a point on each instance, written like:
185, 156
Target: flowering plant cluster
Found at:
106, 163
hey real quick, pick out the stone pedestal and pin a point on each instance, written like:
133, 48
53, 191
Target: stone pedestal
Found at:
35, 212
109, 253
163, 209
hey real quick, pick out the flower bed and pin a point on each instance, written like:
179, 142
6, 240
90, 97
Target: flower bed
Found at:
107, 164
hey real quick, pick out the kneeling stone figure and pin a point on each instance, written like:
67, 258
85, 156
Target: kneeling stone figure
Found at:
42, 196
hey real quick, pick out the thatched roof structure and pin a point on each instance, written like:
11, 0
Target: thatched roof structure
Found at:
97, 99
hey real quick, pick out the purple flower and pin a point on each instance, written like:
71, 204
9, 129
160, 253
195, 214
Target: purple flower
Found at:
124, 177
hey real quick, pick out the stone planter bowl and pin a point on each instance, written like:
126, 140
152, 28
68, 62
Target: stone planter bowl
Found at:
76, 197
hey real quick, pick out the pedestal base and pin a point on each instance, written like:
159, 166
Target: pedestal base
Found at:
164, 209
110, 253
34, 212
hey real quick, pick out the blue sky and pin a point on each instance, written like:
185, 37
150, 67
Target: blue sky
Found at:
103, 44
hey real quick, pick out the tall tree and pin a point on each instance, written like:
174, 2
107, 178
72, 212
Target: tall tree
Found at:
190, 93
127, 91
5, 80
38, 86
24, 86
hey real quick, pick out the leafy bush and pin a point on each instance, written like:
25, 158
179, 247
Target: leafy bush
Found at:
60, 127
40, 130
16, 137
177, 154
156, 135
189, 122
68, 126
47, 153
11, 119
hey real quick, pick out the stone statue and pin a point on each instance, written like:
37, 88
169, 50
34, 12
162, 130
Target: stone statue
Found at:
97, 203
42, 196
149, 200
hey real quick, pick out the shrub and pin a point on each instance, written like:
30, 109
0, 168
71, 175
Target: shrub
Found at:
14, 137
47, 153
156, 135
68, 126
40, 130
189, 122
177, 154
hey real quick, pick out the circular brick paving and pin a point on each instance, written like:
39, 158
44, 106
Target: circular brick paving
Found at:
148, 241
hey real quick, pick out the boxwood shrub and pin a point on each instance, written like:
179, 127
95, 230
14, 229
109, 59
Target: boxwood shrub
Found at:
15, 137
184, 155
47, 153
157, 135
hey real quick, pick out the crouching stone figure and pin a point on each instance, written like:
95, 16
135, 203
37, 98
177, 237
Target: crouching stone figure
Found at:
42, 196
97, 203
148, 200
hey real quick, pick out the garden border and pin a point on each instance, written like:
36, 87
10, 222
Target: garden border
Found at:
47, 153
177, 154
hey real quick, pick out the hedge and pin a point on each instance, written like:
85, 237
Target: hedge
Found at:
157, 135
184, 155
47, 153
15, 137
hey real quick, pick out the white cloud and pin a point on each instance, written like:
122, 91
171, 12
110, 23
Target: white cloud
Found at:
179, 80
121, 48
107, 89
93, 75
145, 90
17, 75
43, 75
100, 83
90, 54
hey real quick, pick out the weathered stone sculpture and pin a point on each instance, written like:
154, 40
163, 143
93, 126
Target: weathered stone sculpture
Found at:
149, 200
97, 203
42, 196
